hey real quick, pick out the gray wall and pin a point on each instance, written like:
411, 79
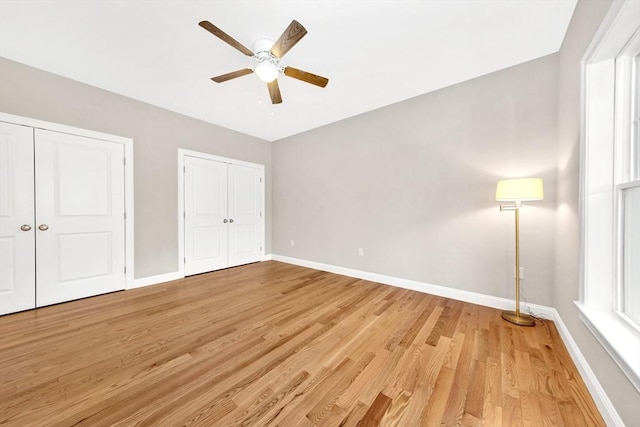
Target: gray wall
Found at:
586, 20
413, 184
157, 135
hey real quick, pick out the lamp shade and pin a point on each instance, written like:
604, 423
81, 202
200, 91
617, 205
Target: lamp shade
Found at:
520, 189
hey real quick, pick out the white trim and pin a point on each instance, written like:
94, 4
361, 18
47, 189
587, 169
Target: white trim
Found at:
600, 178
128, 175
617, 337
611, 23
443, 291
609, 28
154, 280
181, 211
129, 209
185, 152
267, 257
602, 401
182, 153
56, 127
630, 184
263, 208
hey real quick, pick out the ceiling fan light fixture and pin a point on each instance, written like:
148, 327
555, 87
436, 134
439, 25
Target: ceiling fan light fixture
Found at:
268, 55
266, 71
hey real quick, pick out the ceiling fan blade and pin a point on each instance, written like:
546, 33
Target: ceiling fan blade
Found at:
292, 35
306, 77
232, 75
274, 92
225, 37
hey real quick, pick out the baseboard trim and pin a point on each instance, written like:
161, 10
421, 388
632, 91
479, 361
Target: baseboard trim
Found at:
600, 398
443, 291
606, 408
154, 280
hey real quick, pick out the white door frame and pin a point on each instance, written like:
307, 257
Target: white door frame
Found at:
181, 155
128, 174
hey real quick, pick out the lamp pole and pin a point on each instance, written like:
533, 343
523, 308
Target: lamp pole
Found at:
517, 213
515, 316
518, 190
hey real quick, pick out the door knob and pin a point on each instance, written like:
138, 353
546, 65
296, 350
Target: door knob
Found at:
225, 220
231, 221
25, 227
43, 227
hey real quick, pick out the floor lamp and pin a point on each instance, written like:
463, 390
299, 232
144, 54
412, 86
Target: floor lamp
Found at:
518, 191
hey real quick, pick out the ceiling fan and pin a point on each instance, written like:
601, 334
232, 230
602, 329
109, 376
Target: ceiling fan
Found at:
268, 55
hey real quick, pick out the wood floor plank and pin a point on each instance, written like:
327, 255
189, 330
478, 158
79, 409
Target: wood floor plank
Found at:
454, 409
529, 404
379, 373
474, 400
327, 402
271, 344
376, 411
415, 410
435, 410
355, 415
393, 415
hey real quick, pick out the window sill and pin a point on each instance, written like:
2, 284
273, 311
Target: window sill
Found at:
620, 340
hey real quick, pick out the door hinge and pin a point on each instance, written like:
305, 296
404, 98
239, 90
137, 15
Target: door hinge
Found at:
184, 260
260, 179
125, 269
125, 216
184, 169
260, 214
260, 248
124, 161
184, 214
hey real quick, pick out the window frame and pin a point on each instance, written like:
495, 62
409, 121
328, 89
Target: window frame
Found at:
625, 148
619, 286
605, 138
635, 117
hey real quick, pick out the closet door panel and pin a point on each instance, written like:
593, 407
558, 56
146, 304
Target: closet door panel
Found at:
17, 244
80, 224
206, 220
245, 201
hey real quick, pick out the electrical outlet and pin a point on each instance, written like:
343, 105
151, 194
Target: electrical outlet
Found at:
361, 251
293, 243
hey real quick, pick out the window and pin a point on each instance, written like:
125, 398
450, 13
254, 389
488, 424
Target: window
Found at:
627, 182
635, 157
610, 187
630, 208
630, 285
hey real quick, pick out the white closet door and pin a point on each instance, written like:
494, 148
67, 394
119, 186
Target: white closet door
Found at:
17, 242
205, 222
245, 232
80, 225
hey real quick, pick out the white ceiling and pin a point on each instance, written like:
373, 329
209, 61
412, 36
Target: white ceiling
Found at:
374, 53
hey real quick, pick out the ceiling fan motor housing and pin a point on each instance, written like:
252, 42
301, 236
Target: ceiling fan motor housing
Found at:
261, 49
267, 69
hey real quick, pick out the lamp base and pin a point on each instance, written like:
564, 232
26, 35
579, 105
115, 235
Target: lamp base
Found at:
518, 319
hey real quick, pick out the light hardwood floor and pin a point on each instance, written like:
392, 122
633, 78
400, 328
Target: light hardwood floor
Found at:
276, 344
